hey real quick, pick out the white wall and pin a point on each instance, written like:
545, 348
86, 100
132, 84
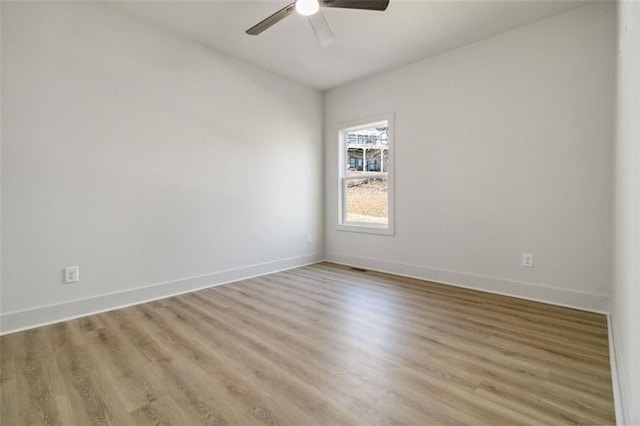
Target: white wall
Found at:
625, 306
502, 147
144, 159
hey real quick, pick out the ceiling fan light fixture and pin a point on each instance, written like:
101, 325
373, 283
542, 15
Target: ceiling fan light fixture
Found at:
311, 9
307, 7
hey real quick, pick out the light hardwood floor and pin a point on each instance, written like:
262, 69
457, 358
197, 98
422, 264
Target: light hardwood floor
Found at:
323, 344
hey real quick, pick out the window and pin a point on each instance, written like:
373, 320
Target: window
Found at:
366, 182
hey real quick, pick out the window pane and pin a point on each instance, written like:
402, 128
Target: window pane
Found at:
367, 149
365, 170
367, 200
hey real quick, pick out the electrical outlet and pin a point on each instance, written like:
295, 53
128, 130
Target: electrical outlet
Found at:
309, 239
527, 260
71, 274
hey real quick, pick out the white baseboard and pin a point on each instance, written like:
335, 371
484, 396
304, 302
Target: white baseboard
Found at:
12, 322
620, 401
552, 295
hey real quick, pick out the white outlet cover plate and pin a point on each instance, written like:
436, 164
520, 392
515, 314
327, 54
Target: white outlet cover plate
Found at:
71, 274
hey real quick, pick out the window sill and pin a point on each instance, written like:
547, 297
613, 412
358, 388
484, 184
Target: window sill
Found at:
366, 228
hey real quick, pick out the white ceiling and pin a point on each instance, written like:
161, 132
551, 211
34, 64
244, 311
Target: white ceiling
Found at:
367, 42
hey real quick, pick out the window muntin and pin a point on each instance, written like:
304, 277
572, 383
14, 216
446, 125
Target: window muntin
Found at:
366, 184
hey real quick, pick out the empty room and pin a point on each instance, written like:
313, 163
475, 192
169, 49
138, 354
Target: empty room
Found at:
338, 212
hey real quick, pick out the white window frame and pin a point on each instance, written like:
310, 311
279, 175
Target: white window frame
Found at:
343, 130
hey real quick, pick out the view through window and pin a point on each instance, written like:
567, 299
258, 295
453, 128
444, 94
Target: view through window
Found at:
365, 166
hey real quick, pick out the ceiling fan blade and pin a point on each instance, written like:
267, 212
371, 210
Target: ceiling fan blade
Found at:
272, 20
356, 4
321, 29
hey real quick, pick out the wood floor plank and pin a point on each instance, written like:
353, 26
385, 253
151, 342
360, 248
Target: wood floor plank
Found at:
8, 370
269, 342
233, 344
125, 367
321, 344
227, 375
33, 386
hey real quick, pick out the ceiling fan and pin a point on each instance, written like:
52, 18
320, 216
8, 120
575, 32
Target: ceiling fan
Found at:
311, 9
